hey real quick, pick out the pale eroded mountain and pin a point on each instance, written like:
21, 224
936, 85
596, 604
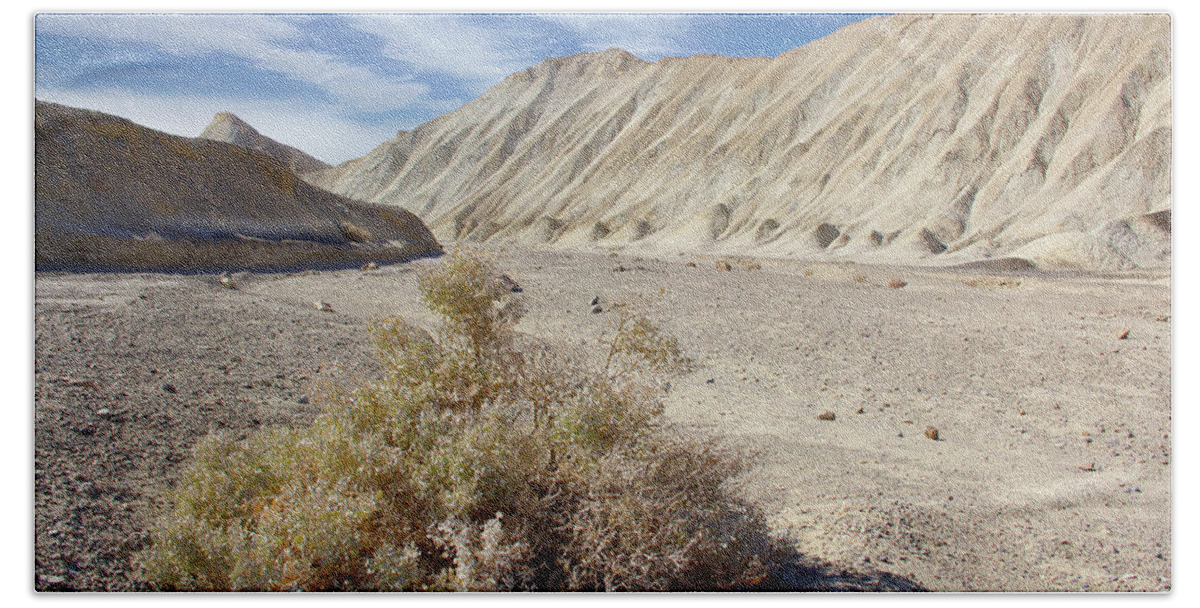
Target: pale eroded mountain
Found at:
931, 139
110, 194
228, 128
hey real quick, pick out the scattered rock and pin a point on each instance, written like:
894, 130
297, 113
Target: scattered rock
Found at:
595, 301
54, 583
508, 284
1091, 466
85, 383
597, 310
690, 264
226, 281
323, 306
170, 388
931, 432
369, 266
858, 411
826, 416
1123, 334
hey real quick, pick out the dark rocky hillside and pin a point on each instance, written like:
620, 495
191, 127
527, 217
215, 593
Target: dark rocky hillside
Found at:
112, 195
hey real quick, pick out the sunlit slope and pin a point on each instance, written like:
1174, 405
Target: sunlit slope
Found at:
912, 138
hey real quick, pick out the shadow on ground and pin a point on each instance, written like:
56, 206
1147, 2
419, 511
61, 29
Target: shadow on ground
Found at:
808, 574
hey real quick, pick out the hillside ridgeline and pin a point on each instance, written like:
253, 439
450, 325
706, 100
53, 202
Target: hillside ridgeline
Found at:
1013, 140
113, 195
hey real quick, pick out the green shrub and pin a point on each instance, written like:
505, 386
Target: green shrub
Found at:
481, 460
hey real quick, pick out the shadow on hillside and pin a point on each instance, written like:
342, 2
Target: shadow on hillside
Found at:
65, 251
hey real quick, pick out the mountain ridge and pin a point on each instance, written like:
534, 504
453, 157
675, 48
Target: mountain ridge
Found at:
227, 127
928, 139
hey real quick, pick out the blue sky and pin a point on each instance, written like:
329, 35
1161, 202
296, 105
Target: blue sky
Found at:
336, 85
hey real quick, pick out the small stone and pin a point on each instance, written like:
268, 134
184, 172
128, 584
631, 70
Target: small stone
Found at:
595, 301
724, 265
54, 583
858, 411
170, 388
826, 416
1123, 334
931, 432
323, 306
369, 266
226, 281
1091, 466
597, 310
508, 284
303, 400
102, 412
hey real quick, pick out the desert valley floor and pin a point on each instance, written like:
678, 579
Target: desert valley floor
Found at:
1050, 393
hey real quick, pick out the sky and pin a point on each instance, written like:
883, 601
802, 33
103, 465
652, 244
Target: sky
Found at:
337, 85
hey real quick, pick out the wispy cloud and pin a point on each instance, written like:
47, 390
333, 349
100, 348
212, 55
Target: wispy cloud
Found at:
266, 41
477, 54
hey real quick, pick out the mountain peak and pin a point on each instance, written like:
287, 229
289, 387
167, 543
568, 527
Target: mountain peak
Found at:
227, 127
607, 63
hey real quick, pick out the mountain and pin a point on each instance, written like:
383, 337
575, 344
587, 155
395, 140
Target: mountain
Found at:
927, 139
230, 129
113, 195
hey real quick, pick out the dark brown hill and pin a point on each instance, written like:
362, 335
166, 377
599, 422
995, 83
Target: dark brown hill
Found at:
113, 195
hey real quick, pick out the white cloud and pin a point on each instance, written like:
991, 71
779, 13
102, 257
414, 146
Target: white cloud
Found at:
261, 39
320, 132
452, 45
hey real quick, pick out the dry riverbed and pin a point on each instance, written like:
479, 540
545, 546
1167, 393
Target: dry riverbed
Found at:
1049, 396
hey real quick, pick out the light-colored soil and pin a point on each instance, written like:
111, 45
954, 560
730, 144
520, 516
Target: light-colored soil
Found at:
1051, 471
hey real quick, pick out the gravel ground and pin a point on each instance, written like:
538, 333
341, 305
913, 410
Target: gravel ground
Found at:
1051, 397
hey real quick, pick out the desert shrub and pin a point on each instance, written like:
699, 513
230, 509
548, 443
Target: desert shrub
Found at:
481, 459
